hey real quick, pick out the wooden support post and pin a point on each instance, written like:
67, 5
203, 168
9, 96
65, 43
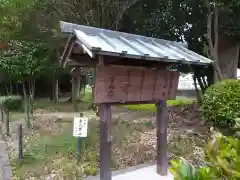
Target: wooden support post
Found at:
78, 86
74, 94
105, 142
20, 144
2, 112
162, 125
7, 122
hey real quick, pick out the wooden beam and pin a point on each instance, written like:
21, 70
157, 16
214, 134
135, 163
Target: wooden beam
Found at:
67, 48
77, 49
109, 60
74, 93
69, 52
161, 126
90, 63
105, 142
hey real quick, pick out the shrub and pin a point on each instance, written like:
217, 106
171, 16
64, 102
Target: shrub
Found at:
183, 170
222, 156
12, 103
221, 103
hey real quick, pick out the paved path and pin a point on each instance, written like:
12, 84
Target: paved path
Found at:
139, 172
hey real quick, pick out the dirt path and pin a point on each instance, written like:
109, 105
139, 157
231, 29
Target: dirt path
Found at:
5, 165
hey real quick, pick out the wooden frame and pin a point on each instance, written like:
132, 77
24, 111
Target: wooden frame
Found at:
105, 126
128, 84
162, 79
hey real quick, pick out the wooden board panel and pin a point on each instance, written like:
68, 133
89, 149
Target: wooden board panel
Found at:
121, 84
173, 84
111, 85
134, 85
148, 84
161, 80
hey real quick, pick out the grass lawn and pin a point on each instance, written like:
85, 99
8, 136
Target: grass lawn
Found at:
51, 150
46, 106
151, 107
53, 153
63, 105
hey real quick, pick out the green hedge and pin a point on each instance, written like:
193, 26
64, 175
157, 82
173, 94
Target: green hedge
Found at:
221, 103
12, 103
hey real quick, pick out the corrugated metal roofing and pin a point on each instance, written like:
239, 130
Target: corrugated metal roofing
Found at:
113, 43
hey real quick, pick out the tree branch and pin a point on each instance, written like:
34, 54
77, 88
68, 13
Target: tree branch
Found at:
216, 24
209, 29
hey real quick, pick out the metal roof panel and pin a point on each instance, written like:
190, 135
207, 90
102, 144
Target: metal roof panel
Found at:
116, 43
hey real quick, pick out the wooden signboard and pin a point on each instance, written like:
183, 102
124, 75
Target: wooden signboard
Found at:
121, 84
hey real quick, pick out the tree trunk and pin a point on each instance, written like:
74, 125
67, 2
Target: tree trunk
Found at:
228, 61
55, 88
7, 91
213, 46
17, 89
31, 86
11, 87
26, 107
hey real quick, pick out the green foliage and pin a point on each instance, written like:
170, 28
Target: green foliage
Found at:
151, 107
13, 12
183, 170
12, 103
221, 103
63, 145
24, 60
222, 156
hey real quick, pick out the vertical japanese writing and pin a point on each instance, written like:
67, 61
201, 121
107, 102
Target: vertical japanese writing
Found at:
154, 83
80, 127
141, 85
111, 88
128, 82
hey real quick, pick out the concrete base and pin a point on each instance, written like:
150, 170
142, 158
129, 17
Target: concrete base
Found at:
142, 172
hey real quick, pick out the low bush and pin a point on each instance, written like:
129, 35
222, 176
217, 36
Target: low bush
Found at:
12, 103
221, 103
222, 156
183, 170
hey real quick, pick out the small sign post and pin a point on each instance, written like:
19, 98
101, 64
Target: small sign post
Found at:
80, 127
